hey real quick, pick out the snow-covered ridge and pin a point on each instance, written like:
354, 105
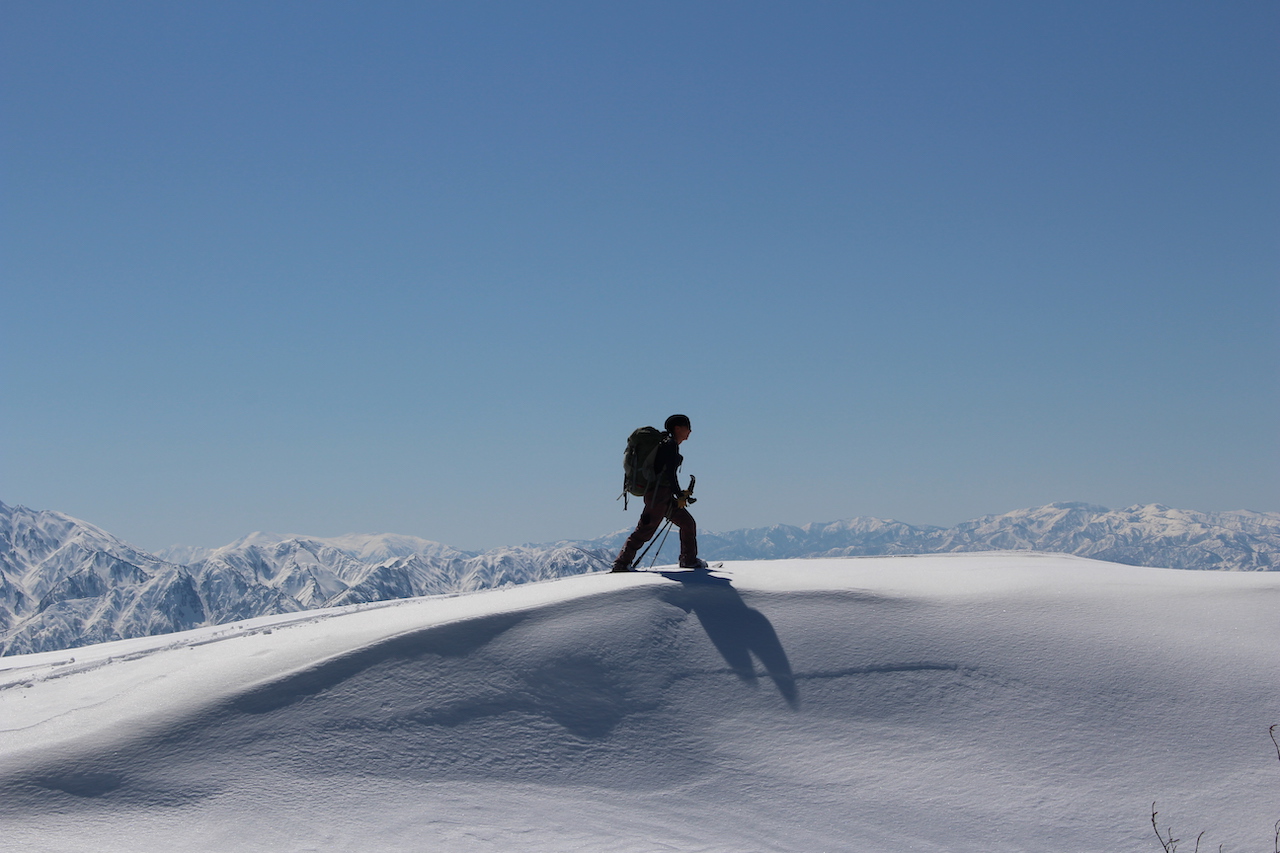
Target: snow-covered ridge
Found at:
365, 547
1151, 535
966, 703
67, 583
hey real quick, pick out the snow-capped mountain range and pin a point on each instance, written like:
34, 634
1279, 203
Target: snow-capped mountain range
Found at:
66, 583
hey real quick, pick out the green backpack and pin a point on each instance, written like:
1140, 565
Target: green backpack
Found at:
637, 462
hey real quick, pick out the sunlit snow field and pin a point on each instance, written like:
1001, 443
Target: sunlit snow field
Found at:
983, 702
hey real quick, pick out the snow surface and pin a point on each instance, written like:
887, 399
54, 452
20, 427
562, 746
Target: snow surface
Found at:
958, 702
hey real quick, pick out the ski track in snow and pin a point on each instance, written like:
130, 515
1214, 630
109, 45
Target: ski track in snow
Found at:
989, 702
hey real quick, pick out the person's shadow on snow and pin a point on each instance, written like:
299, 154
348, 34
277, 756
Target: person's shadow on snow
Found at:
736, 630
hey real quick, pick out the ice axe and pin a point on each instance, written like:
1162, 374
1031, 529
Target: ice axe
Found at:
688, 493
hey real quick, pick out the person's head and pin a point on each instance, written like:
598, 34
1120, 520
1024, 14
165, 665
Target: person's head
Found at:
678, 426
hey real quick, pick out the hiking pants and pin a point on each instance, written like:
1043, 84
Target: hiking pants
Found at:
658, 506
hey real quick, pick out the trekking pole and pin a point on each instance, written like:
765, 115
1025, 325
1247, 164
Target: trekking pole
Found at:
660, 544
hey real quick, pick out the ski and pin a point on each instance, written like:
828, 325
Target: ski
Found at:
669, 570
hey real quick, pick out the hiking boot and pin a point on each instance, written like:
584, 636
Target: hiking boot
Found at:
695, 563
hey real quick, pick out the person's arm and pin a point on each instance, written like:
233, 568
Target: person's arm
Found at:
666, 464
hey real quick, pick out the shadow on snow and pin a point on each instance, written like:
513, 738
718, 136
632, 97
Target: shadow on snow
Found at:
736, 630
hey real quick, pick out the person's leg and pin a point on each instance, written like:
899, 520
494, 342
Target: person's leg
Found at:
651, 518
682, 519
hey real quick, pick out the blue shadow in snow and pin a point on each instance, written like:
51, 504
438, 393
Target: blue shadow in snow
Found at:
736, 630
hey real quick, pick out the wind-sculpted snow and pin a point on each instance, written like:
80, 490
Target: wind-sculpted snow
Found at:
65, 583
995, 702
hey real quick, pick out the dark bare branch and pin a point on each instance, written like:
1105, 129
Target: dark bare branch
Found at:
1169, 844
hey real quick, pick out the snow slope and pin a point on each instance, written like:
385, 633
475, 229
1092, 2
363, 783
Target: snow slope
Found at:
960, 702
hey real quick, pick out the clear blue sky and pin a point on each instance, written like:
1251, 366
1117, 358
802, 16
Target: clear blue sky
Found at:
418, 267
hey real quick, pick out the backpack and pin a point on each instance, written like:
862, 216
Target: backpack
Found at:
637, 462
